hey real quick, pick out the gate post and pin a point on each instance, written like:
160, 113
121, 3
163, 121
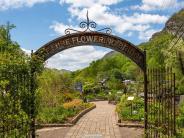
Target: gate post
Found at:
32, 87
145, 96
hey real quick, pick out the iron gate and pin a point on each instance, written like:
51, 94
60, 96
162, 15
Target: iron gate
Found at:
161, 103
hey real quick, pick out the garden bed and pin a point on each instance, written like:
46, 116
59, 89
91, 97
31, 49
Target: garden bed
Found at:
130, 110
69, 121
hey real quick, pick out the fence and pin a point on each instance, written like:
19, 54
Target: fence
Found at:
161, 103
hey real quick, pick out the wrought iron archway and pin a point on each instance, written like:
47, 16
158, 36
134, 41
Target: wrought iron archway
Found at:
155, 86
100, 37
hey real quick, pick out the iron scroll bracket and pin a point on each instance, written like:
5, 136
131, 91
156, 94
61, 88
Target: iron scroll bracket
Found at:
88, 26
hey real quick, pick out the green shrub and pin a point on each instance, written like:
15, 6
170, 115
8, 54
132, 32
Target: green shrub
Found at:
90, 96
180, 118
52, 115
102, 95
111, 97
180, 133
60, 114
124, 109
181, 86
55, 115
114, 96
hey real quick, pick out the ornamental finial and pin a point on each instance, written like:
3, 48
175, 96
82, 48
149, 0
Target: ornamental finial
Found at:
87, 16
88, 26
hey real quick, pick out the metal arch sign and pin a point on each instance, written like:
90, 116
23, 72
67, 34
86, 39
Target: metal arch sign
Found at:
93, 38
90, 37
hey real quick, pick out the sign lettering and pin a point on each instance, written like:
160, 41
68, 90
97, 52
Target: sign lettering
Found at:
93, 38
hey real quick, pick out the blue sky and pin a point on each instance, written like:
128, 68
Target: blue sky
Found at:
39, 21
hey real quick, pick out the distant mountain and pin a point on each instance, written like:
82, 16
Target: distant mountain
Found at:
110, 54
175, 25
65, 71
60, 70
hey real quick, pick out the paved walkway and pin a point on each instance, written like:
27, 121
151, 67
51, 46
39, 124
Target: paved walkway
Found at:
54, 132
98, 123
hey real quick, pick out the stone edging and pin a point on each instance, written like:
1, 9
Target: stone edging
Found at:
112, 102
136, 125
77, 117
53, 125
97, 100
71, 122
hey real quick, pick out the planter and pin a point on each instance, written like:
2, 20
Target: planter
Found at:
78, 116
134, 124
71, 122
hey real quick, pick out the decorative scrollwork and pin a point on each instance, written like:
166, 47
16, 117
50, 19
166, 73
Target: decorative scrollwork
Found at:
93, 24
83, 25
107, 30
67, 31
70, 31
87, 26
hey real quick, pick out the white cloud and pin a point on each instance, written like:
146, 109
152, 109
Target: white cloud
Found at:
11, 4
100, 12
149, 5
179, 5
146, 35
121, 24
28, 52
142, 18
89, 3
75, 58
129, 34
60, 28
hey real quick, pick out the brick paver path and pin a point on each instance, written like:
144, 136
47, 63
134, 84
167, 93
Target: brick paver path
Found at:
98, 123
